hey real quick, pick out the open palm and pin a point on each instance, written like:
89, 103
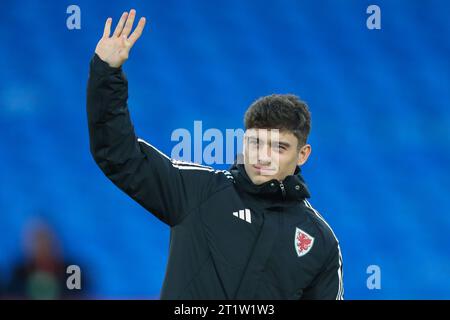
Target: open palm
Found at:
115, 49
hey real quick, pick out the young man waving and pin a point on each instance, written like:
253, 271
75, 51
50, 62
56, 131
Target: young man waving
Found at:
245, 233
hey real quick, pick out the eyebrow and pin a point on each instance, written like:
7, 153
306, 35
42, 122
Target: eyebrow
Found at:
281, 143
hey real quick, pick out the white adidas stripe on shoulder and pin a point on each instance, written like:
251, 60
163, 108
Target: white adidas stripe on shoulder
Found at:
226, 173
185, 165
179, 164
340, 272
149, 145
320, 217
192, 168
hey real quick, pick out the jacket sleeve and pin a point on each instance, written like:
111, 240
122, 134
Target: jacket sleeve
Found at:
167, 188
328, 285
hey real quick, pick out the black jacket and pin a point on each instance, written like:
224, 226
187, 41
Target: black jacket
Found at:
230, 239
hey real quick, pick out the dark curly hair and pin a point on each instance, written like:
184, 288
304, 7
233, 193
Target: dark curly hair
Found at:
285, 112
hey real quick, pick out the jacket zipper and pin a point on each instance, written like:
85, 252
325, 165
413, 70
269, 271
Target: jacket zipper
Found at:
283, 190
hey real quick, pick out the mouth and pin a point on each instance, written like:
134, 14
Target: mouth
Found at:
262, 169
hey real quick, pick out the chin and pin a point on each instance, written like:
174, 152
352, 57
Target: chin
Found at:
260, 179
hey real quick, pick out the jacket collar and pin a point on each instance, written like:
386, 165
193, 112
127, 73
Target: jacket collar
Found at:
292, 188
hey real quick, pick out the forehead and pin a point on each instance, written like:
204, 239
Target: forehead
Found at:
271, 135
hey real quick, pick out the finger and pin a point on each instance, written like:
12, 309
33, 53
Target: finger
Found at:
107, 29
138, 31
127, 29
126, 45
119, 26
125, 42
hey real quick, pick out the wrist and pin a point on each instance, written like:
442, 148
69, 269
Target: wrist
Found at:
102, 67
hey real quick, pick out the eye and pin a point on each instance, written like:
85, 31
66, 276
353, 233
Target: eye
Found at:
279, 148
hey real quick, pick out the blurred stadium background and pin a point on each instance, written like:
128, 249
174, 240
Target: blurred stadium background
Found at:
379, 171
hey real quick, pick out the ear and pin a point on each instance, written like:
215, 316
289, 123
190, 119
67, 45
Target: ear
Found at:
303, 154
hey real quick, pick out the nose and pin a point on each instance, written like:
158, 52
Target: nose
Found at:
264, 155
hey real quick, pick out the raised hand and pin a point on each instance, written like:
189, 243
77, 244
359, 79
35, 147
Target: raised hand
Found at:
115, 49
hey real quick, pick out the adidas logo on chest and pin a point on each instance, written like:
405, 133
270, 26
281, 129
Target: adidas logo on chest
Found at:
243, 214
